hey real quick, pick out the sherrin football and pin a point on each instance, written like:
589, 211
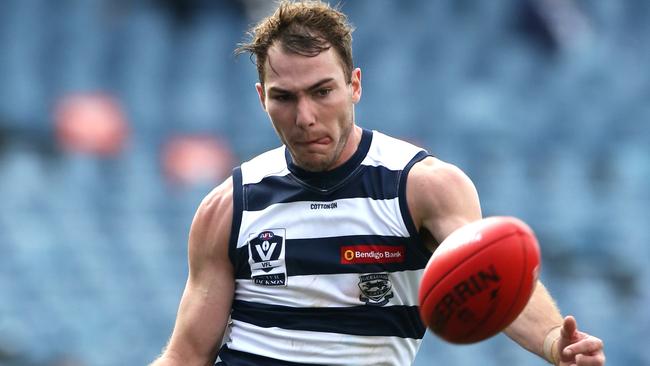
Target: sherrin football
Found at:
479, 279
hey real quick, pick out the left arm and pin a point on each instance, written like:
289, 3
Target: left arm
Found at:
541, 330
538, 319
441, 199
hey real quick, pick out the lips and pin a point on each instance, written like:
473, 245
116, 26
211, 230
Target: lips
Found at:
321, 141
317, 141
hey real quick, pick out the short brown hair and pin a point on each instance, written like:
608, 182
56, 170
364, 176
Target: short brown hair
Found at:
306, 28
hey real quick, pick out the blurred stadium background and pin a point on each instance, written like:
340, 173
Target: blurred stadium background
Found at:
117, 116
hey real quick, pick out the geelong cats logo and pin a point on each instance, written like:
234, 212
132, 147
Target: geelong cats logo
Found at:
376, 289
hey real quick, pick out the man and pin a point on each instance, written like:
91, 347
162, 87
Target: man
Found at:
311, 253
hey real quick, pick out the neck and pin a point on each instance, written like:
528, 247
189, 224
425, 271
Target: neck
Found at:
351, 145
360, 139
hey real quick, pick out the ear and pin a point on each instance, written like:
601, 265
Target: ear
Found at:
261, 95
356, 85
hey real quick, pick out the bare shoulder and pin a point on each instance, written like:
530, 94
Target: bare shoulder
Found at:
211, 226
435, 182
216, 202
432, 171
441, 197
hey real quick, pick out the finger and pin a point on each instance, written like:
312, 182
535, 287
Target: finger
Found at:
569, 328
589, 345
590, 360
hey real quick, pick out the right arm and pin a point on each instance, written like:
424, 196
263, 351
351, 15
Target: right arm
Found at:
206, 302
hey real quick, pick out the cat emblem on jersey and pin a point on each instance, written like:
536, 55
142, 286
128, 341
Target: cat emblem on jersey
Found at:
266, 257
376, 289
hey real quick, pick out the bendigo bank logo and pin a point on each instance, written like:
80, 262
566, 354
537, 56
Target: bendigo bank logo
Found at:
371, 254
266, 257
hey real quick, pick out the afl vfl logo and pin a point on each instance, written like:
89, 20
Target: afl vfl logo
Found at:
266, 257
267, 249
376, 289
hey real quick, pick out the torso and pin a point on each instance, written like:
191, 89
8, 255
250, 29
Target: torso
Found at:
326, 265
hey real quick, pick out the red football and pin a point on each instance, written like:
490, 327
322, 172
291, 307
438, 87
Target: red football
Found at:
479, 279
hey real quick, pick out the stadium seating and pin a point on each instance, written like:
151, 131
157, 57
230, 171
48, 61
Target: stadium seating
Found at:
94, 248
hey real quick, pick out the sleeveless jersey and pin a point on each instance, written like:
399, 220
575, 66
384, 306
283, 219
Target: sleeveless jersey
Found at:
327, 265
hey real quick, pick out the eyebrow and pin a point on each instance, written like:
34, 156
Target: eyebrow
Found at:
318, 84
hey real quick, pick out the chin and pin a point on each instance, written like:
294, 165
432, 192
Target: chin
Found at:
315, 165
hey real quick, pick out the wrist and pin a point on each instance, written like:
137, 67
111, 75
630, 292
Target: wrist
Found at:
549, 349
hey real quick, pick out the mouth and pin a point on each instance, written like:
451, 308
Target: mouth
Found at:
321, 141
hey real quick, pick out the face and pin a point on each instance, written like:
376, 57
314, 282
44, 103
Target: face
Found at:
311, 106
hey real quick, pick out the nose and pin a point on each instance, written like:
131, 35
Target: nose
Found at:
305, 113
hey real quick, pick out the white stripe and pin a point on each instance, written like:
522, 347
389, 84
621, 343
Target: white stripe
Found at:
353, 216
321, 347
270, 163
333, 290
389, 152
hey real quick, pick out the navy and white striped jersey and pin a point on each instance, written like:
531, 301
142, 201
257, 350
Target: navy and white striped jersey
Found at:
327, 265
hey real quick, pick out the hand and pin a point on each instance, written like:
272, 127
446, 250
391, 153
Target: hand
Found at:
576, 348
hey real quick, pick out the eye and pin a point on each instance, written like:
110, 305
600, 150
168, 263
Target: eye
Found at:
281, 97
323, 92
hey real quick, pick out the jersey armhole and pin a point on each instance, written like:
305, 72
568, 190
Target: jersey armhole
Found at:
237, 210
403, 204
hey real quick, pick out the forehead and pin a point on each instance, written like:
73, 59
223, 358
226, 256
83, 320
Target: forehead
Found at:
291, 71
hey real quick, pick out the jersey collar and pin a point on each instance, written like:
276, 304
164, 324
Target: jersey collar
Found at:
327, 180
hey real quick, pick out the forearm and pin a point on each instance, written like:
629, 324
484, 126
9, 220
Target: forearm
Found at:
168, 359
197, 334
540, 316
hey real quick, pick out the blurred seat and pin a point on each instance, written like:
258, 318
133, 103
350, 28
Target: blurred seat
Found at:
95, 248
22, 43
143, 50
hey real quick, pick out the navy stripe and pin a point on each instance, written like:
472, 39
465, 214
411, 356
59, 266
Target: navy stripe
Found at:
237, 210
403, 204
231, 357
323, 256
390, 321
376, 182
